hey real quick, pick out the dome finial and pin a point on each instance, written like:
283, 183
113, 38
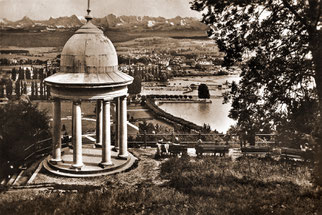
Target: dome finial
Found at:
88, 17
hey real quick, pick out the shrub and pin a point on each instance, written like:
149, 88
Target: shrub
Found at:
21, 125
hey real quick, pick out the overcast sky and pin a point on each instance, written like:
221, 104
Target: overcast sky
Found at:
43, 9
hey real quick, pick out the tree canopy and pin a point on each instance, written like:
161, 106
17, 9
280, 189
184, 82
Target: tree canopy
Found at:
21, 124
203, 91
277, 43
135, 87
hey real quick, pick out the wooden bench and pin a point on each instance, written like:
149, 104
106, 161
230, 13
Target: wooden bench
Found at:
177, 149
292, 153
211, 149
256, 150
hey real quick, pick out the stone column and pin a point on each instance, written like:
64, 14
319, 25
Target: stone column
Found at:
106, 146
123, 129
73, 125
99, 123
56, 141
117, 123
77, 151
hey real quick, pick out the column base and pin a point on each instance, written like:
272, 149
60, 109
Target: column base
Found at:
123, 157
77, 166
55, 161
105, 164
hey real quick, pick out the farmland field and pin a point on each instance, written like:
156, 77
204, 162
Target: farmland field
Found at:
59, 38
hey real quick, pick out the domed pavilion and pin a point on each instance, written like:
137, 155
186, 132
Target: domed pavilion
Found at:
89, 71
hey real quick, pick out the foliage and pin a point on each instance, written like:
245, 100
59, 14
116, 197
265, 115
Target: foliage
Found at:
278, 44
21, 125
163, 77
17, 89
2, 87
203, 91
9, 88
206, 128
135, 87
198, 66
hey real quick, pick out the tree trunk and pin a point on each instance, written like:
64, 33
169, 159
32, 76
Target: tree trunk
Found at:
317, 60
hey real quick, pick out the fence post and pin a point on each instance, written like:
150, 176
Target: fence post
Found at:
145, 143
173, 136
227, 139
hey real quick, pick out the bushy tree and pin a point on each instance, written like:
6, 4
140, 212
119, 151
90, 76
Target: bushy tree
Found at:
36, 90
163, 76
21, 124
136, 86
1, 90
28, 74
203, 91
13, 74
9, 88
25, 91
32, 89
278, 45
35, 74
21, 74
206, 128
17, 88
41, 89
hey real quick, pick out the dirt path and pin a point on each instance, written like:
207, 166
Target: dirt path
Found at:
147, 171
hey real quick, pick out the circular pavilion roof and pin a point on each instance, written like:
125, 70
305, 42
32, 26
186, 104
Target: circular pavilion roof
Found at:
89, 60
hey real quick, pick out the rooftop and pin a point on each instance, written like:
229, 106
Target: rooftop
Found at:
89, 59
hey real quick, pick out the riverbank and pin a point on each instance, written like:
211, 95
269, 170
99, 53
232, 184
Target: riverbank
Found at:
160, 102
161, 114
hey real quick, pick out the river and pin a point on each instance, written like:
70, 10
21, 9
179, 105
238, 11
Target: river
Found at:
215, 114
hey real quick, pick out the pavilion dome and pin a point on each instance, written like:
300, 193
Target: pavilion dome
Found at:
89, 59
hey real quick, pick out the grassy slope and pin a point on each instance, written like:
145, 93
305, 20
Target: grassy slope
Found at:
197, 186
248, 186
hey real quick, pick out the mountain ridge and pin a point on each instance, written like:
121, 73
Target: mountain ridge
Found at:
110, 21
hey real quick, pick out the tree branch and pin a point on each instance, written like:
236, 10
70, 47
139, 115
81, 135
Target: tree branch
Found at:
318, 18
301, 19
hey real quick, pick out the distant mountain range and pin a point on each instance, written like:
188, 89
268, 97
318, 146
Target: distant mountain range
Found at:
129, 23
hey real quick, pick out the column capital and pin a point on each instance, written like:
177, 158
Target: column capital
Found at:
78, 101
124, 96
107, 99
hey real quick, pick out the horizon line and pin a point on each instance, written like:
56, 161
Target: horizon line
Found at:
83, 16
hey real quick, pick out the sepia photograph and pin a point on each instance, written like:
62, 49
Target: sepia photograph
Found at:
161, 107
